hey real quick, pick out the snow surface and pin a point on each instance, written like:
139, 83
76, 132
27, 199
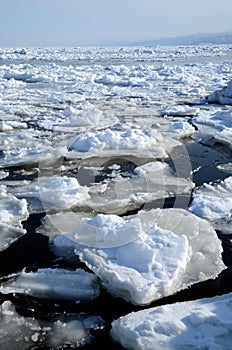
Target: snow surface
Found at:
160, 254
197, 325
56, 284
19, 332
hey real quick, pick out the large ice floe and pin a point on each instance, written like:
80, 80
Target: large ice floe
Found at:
222, 96
24, 332
197, 325
147, 256
120, 141
13, 212
54, 284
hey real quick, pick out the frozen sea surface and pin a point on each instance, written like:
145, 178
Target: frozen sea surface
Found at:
115, 171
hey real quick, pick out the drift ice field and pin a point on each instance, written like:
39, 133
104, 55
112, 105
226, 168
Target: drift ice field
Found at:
116, 198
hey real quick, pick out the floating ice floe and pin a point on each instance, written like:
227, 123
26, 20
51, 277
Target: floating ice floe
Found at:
179, 110
54, 284
197, 325
19, 332
79, 118
3, 174
177, 129
12, 212
214, 202
53, 193
29, 147
222, 96
53, 225
118, 142
148, 182
32, 156
214, 127
11, 125
26, 74
147, 256
227, 167
169, 127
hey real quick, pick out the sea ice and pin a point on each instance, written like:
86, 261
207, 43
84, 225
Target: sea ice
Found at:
19, 332
214, 127
213, 201
150, 181
79, 118
222, 96
197, 325
54, 193
3, 174
29, 147
119, 142
32, 156
227, 167
53, 225
11, 125
55, 284
163, 252
12, 212
179, 110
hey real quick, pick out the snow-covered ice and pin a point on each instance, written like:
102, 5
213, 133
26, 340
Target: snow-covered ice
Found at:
115, 142
214, 127
19, 332
55, 284
53, 225
222, 96
161, 254
29, 147
197, 325
79, 118
214, 203
54, 193
12, 212
179, 110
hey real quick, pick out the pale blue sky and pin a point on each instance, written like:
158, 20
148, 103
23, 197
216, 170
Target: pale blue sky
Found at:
96, 22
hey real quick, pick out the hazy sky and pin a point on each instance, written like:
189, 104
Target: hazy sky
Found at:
93, 22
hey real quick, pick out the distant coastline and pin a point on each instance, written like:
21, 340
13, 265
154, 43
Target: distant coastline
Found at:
222, 38
194, 39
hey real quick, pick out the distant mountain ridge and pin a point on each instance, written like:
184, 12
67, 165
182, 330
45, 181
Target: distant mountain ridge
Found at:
194, 39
